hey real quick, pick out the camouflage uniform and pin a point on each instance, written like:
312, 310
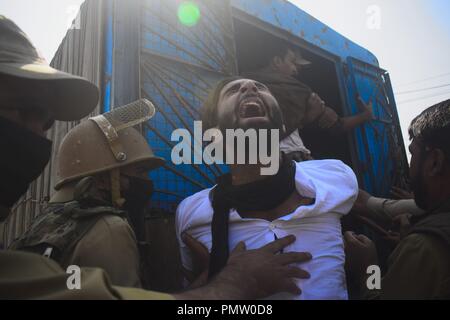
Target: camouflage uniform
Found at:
98, 236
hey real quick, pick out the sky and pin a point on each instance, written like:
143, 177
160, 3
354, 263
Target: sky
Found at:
411, 39
411, 42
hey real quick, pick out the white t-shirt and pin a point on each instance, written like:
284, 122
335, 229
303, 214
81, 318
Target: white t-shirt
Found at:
293, 143
317, 227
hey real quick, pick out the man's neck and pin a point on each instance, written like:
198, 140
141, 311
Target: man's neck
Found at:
247, 173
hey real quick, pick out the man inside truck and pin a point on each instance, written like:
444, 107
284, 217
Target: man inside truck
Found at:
307, 199
301, 107
32, 96
419, 267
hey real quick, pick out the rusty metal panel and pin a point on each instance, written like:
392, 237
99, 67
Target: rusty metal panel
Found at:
286, 16
380, 146
179, 66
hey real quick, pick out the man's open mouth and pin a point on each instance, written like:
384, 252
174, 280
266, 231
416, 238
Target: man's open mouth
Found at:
251, 108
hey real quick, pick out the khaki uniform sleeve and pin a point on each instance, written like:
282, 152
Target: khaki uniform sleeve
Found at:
139, 294
323, 118
292, 99
111, 245
417, 269
29, 276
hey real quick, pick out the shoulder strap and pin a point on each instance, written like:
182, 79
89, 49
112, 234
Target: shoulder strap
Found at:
59, 228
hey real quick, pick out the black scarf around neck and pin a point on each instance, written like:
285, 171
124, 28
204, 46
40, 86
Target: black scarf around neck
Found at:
261, 195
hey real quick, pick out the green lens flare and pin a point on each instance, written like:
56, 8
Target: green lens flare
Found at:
189, 13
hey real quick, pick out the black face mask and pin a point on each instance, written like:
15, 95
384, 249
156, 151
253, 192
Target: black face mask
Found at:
137, 199
24, 157
139, 192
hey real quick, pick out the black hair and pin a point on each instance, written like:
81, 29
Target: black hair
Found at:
432, 127
277, 48
209, 108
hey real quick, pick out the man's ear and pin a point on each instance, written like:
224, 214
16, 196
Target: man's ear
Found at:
437, 162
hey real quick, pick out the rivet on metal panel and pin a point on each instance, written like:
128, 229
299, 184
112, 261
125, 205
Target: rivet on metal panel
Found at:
121, 156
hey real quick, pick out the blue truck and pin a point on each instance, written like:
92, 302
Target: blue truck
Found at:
175, 65
143, 49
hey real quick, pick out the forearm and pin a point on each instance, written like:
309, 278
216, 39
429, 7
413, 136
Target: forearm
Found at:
218, 289
349, 123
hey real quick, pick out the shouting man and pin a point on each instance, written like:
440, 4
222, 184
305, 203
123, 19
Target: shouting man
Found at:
305, 199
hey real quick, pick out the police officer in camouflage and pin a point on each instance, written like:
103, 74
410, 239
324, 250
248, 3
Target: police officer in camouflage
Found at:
101, 183
32, 96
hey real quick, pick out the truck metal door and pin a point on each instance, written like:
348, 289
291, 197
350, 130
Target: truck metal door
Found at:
379, 146
180, 62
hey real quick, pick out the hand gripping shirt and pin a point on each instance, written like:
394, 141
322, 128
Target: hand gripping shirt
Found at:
317, 227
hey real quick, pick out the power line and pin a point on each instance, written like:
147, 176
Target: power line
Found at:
423, 98
423, 80
424, 89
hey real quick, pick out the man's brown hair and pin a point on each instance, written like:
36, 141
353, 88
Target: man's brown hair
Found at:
209, 108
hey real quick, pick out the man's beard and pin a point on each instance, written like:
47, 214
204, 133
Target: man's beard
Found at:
419, 189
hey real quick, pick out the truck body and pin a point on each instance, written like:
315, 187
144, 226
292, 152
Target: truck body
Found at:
139, 49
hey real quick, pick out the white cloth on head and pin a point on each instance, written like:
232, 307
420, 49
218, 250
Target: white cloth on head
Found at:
317, 227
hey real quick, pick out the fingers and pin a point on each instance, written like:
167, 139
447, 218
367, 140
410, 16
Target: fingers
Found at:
194, 245
360, 240
241, 247
363, 239
297, 273
278, 245
315, 99
200, 253
294, 257
289, 286
362, 105
188, 274
349, 236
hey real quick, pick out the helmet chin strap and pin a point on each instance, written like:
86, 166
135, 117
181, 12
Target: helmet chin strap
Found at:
117, 200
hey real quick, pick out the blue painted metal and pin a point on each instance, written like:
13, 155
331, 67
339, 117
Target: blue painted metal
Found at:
108, 52
377, 142
180, 64
285, 15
